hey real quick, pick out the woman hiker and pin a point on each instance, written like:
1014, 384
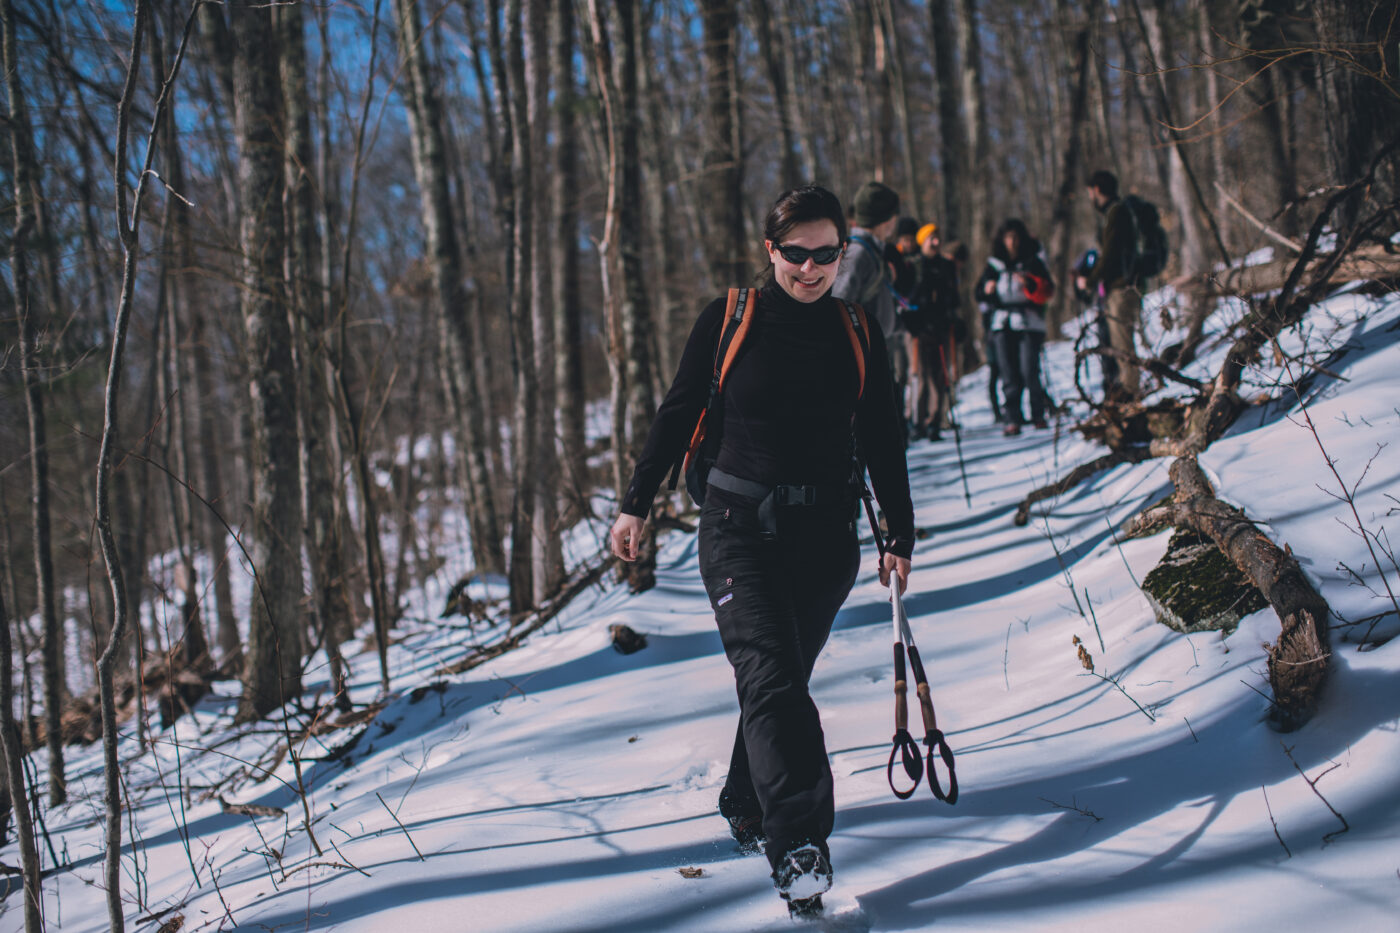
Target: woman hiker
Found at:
778, 547
1013, 291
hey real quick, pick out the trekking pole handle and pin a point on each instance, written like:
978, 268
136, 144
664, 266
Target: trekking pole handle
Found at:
901, 690
925, 696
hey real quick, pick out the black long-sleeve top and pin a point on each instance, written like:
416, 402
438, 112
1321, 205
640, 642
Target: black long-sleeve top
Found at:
788, 401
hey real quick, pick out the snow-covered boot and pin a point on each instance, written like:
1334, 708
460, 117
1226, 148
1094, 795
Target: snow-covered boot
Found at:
748, 832
801, 877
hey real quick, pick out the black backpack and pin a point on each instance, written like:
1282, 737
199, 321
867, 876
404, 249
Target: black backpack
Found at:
1149, 239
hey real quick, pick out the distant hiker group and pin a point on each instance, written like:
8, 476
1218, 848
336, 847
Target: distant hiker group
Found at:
785, 396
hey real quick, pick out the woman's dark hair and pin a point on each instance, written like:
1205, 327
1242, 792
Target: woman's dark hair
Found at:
803, 205
799, 206
1029, 244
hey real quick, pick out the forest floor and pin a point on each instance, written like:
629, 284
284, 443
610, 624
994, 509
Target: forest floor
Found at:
566, 787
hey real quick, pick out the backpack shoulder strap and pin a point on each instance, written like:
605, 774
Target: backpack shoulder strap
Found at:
858, 330
736, 327
733, 330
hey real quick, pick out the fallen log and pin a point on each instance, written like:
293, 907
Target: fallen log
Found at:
1297, 662
1076, 476
1371, 263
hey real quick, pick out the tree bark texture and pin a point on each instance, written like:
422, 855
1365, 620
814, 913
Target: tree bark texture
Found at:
569, 386
272, 673
330, 610
974, 110
440, 232
547, 551
952, 135
1062, 217
13, 749
27, 308
722, 190
773, 51
635, 312
525, 436
1356, 77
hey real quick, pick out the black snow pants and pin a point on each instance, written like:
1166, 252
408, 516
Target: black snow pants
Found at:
775, 597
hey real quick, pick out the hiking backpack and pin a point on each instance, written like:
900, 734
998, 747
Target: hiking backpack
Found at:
1149, 239
703, 450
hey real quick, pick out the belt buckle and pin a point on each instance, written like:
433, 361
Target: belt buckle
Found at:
797, 495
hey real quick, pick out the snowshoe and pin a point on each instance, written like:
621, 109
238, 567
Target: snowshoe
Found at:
803, 875
805, 908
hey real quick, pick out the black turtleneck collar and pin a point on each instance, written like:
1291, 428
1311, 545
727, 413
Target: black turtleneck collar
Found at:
779, 302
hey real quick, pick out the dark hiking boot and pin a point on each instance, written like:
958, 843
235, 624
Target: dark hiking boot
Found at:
748, 832
805, 909
1011, 429
802, 875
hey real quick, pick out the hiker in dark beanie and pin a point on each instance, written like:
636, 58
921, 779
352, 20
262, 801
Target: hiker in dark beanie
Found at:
777, 542
867, 274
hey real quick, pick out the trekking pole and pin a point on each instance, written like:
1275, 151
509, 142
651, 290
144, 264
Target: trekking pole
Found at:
934, 739
957, 429
905, 748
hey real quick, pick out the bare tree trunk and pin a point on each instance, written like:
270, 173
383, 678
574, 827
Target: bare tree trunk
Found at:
952, 134
631, 380
1062, 217
974, 110
440, 233
657, 179
1186, 194
806, 155
547, 551
898, 96
14, 748
128, 227
1191, 250
525, 437
1358, 88
177, 286
272, 674
770, 48
569, 386
1272, 103
635, 313
9, 733
722, 189
485, 491
309, 302
25, 171
617, 375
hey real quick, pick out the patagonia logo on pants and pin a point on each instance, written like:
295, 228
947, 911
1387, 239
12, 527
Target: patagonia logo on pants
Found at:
724, 599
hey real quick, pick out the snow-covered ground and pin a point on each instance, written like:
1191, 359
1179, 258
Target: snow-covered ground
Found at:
563, 786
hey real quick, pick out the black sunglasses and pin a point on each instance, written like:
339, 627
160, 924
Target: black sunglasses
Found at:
797, 255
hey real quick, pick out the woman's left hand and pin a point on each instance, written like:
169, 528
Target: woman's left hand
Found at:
899, 565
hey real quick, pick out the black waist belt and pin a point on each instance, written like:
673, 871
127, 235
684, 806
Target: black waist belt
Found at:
782, 493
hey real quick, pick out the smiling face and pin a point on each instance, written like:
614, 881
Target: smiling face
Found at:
809, 281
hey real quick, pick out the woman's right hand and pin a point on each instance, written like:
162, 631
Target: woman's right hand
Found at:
624, 539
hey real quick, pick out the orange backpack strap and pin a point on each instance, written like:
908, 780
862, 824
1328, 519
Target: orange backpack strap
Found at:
738, 323
733, 330
858, 330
